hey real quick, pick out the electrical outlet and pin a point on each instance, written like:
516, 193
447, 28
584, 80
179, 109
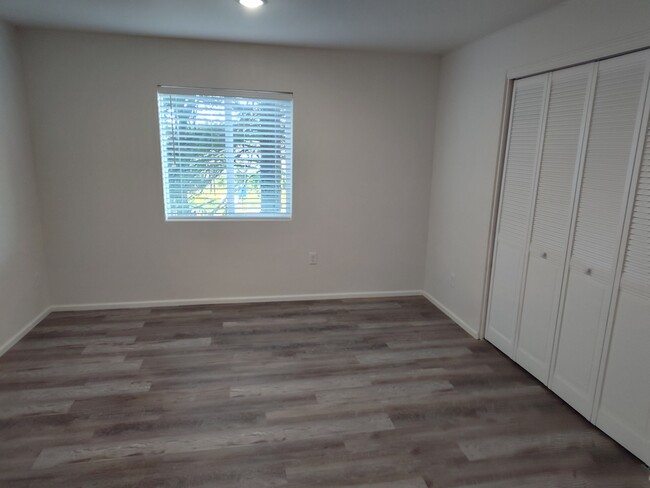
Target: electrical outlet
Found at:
313, 258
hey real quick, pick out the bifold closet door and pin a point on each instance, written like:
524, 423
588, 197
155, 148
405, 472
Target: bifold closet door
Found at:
611, 146
560, 162
624, 411
526, 122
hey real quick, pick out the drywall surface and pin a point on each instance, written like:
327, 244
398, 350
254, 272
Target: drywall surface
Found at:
23, 282
362, 170
469, 110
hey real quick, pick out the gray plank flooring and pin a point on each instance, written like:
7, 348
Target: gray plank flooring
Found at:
367, 393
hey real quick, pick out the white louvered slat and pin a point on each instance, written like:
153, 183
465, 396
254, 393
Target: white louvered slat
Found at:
520, 165
609, 147
225, 154
636, 268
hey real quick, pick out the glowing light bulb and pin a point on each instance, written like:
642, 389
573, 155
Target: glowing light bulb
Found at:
252, 3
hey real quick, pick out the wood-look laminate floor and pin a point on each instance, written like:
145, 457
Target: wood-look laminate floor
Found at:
370, 393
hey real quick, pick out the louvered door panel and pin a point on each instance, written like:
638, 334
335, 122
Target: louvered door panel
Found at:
529, 98
624, 411
615, 122
565, 121
613, 126
569, 97
636, 270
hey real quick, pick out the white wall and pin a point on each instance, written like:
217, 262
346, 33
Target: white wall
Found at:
23, 282
362, 170
469, 110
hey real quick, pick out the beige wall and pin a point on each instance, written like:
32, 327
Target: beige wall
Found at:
362, 170
23, 282
469, 110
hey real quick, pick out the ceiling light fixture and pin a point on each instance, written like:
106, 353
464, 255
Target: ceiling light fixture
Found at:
252, 3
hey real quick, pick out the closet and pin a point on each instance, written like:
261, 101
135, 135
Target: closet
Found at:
570, 284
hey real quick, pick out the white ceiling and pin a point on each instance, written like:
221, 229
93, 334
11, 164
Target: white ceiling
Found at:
401, 25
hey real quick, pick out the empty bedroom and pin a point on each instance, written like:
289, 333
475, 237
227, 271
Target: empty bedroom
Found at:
325, 243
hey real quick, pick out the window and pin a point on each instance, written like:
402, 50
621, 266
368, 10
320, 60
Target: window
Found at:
226, 154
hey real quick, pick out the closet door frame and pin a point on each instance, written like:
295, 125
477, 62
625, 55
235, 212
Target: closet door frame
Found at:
629, 209
632, 164
497, 189
531, 203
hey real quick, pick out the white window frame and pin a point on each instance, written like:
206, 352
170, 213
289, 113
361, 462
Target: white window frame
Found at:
233, 217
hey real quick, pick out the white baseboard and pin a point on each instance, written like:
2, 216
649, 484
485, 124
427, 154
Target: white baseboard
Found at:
451, 315
23, 332
218, 301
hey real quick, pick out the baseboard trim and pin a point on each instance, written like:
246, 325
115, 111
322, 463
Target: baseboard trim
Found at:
23, 332
451, 315
216, 301
219, 301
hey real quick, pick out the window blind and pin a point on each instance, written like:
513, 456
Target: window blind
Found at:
226, 154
